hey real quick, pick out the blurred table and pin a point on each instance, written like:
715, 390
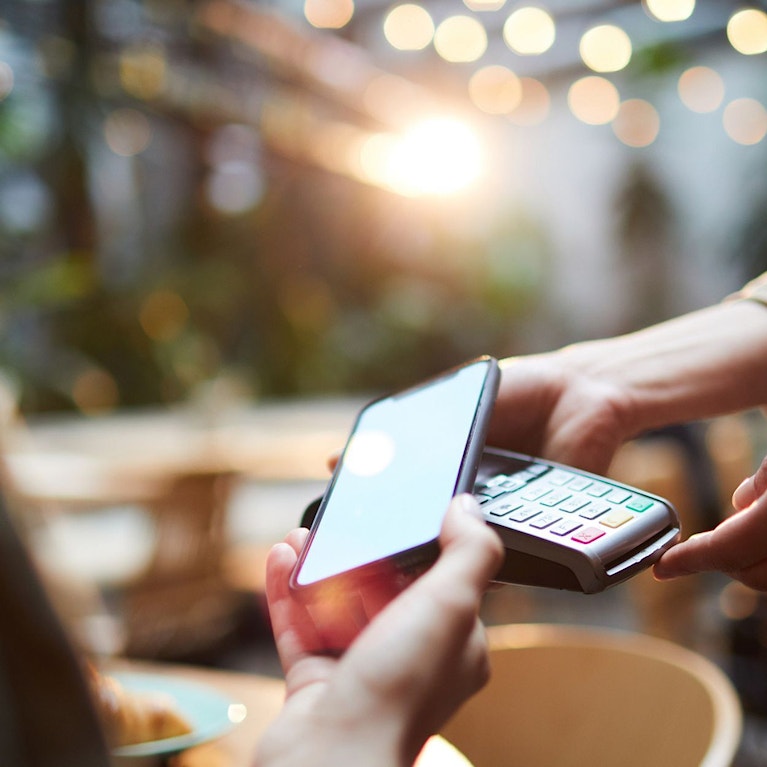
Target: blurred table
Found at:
164, 479
263, 697
133, 452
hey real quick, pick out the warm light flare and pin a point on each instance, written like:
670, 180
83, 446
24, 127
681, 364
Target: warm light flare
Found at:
441, 156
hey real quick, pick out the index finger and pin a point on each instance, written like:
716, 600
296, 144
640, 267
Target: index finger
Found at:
437, 612
734, 545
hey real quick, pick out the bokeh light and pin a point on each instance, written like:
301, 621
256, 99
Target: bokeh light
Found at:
484, 5
163, 315
747, 31
408, 27
495, 90
670, 10
234, 188
127, 131
605, 48
6, 79
143, 70
329, 14
637, 123
460, 39
95, 391
745, 121
701, 89
534, 105
593, 100
529, 31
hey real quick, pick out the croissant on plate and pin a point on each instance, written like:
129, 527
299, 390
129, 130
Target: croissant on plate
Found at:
130, 717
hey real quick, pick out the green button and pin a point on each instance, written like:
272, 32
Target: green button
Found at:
639, 504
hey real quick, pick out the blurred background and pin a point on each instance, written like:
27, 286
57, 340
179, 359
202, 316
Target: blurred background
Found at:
224, 225
303, 199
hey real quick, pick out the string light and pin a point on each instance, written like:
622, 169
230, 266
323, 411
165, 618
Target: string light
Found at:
745, 121
670, 10
701, 89
637, 123
605, 48
747, 31
529, 31
408, 27
460, 39
329, 14
495, 90
593, 100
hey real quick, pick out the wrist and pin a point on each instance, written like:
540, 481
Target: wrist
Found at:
699, 365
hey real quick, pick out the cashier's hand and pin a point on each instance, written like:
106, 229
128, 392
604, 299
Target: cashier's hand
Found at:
737, 546
552, 406
402, 676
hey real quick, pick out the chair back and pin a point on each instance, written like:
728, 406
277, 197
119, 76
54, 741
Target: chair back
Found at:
568, 696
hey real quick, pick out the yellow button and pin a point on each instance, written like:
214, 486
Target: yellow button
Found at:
616, 518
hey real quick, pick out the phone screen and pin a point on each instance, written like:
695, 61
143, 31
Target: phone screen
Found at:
398, 472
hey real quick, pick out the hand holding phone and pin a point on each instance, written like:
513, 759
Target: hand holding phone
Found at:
408, 454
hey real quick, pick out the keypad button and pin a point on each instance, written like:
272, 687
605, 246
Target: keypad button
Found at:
573, 504
512, 483
493, 492
565, 527
535, 492
599, 489
544, 520
502, 509
555, 497
559, 477
618, 496
595, 509
588, 534
616, 518
580, 483
523, 514
639, 504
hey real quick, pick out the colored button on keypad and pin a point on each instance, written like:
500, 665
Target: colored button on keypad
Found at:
616, 518
588, 534
639, 504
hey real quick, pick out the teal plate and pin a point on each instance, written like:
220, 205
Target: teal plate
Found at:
209, 713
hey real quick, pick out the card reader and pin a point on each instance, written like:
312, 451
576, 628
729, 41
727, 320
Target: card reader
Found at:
564, 528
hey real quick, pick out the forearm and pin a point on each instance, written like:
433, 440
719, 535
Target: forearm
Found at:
702, 364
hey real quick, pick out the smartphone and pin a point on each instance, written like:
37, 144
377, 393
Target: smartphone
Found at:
407, 455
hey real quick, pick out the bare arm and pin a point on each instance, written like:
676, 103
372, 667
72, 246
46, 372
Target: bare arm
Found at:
579, 404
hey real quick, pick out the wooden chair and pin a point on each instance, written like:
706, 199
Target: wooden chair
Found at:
567, 697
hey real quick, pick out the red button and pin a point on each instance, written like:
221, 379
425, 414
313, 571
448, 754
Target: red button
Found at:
588, 534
